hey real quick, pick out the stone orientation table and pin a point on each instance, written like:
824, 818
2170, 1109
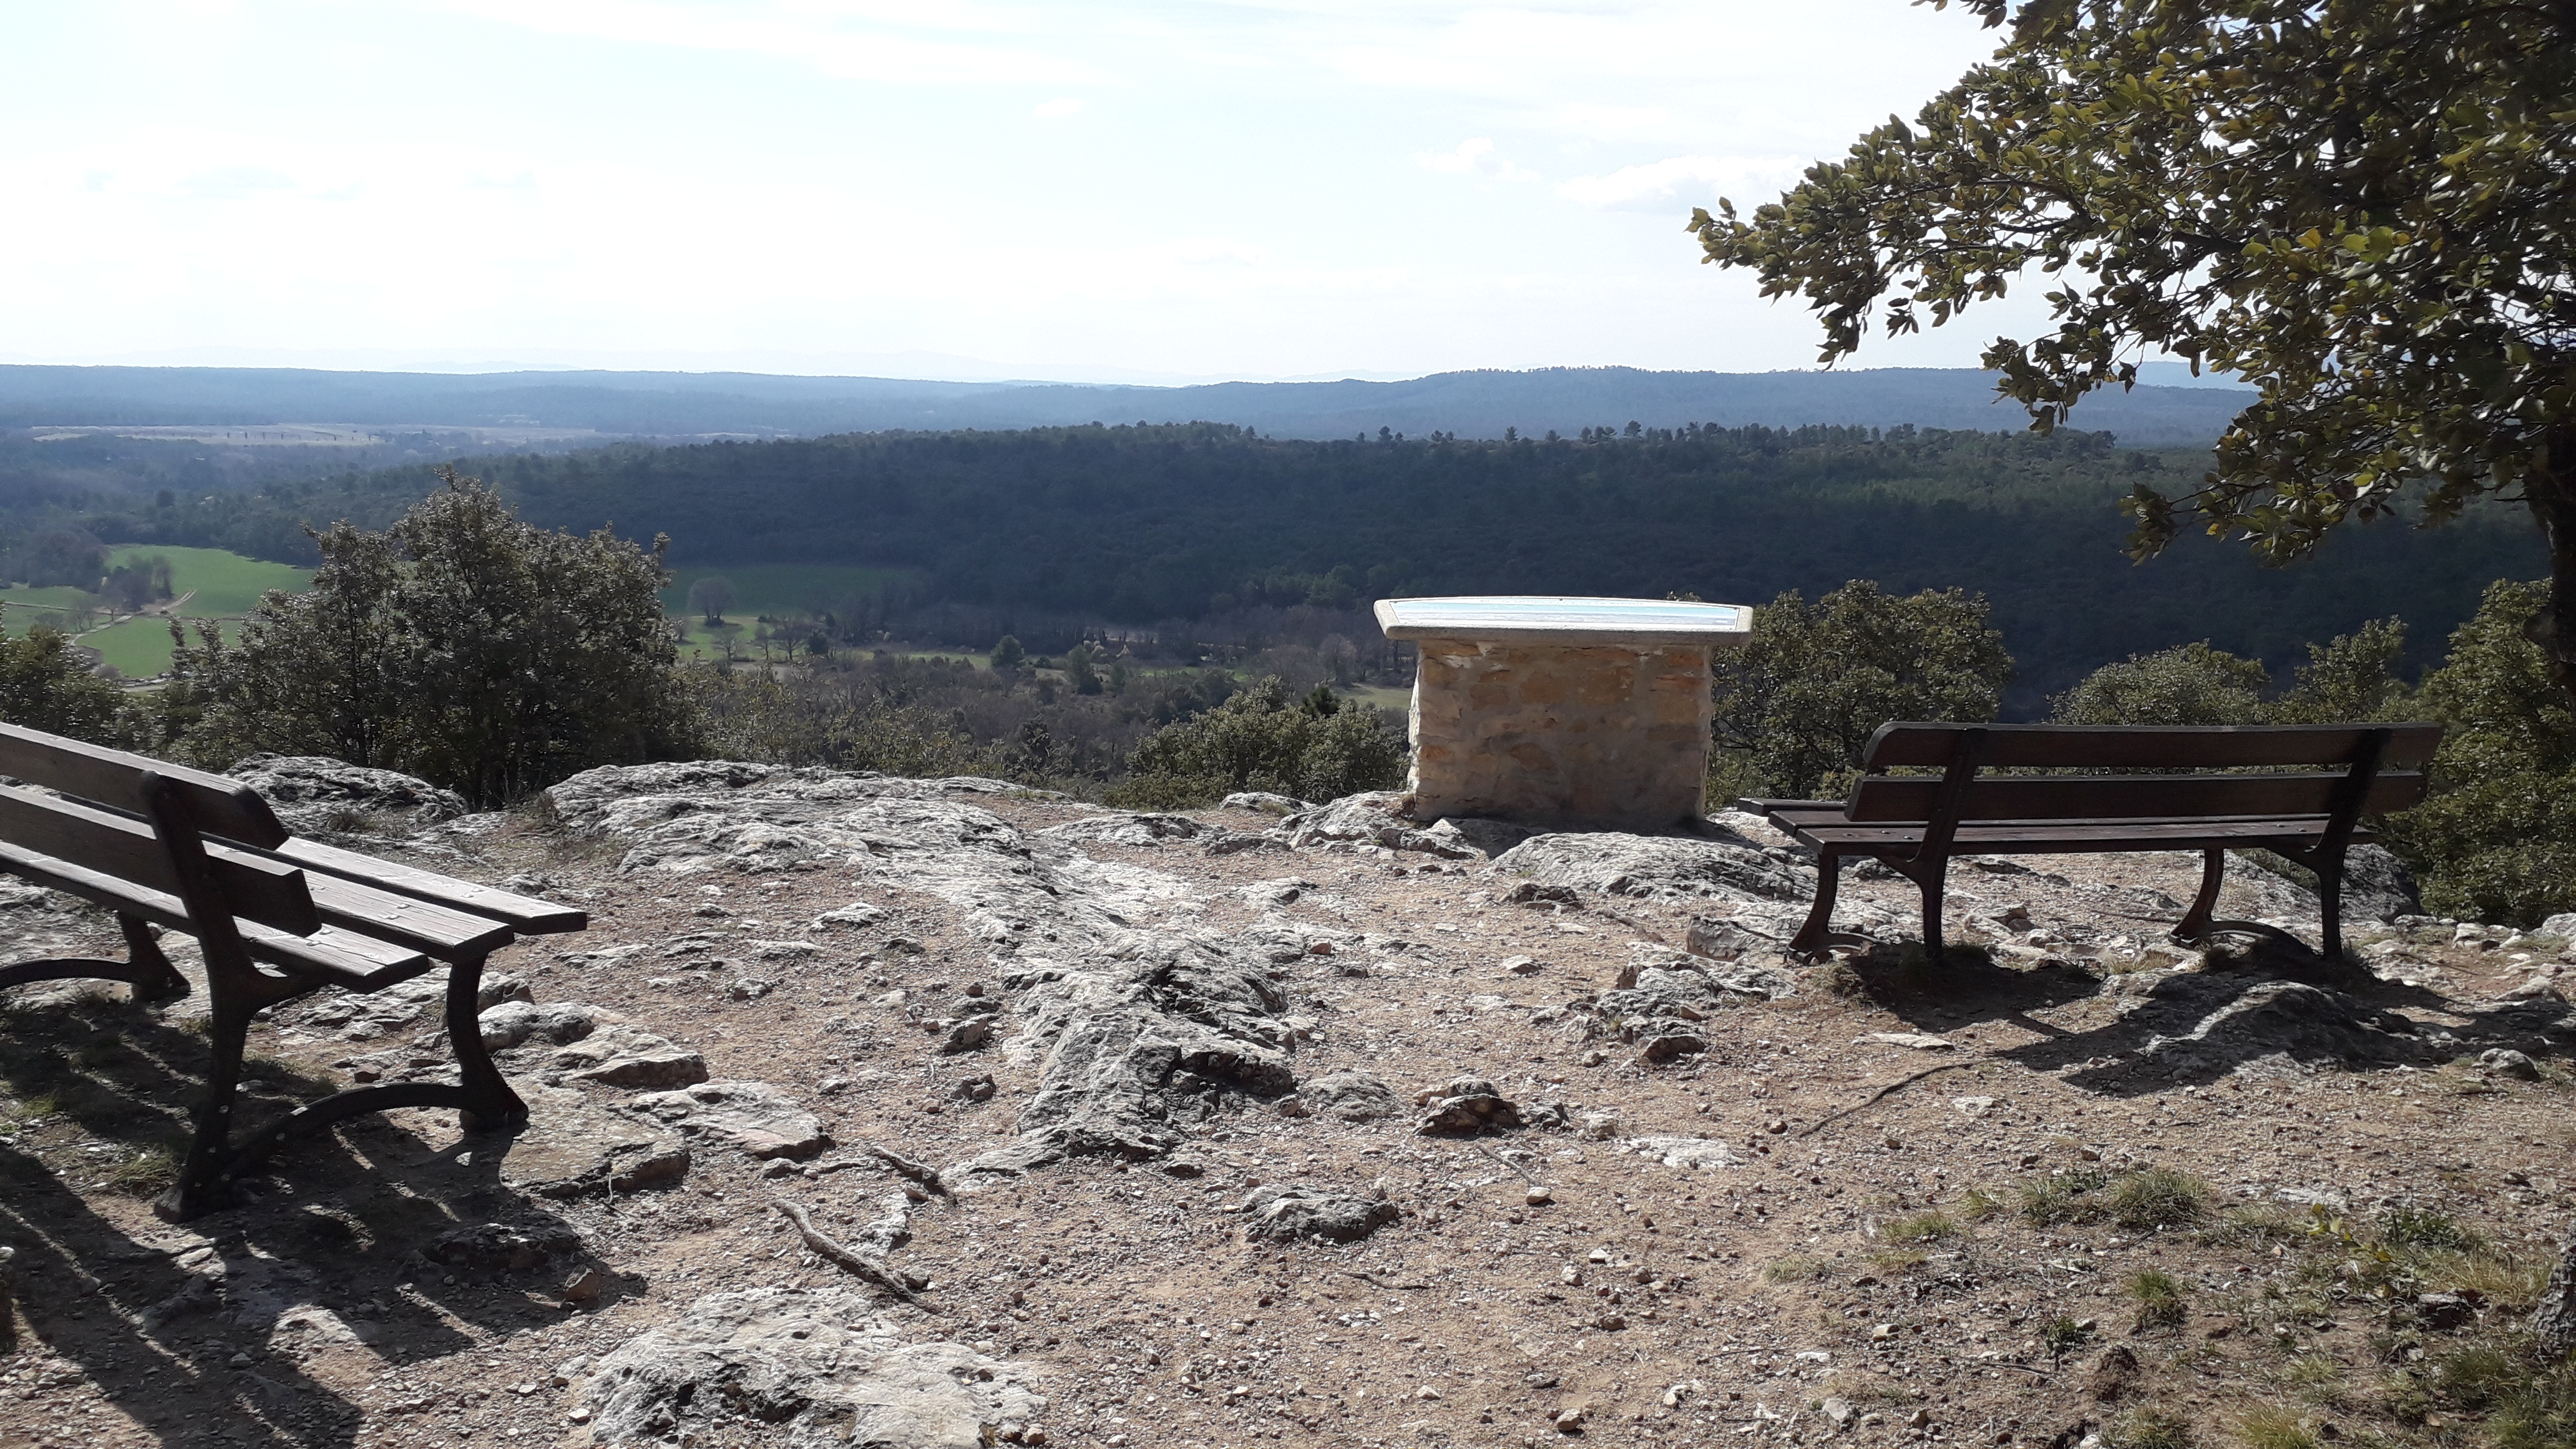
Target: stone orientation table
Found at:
1562, 709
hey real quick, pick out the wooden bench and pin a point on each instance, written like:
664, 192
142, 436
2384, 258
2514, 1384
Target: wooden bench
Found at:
274, 916
2106, 788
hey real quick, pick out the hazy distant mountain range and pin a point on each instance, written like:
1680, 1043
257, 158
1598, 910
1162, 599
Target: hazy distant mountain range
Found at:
672, 405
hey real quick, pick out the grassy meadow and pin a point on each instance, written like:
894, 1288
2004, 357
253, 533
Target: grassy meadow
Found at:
773, 589
210, 583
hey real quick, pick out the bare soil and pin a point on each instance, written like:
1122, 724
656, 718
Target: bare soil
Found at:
1927, 1241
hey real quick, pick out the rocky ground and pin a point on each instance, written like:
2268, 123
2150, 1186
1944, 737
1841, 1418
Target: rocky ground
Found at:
939, 1113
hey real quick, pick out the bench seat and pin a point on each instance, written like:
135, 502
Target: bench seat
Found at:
275, 918
2209, 788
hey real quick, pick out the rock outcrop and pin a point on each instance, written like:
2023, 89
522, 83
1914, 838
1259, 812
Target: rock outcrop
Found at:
1719, 864
315, 794
817, 1362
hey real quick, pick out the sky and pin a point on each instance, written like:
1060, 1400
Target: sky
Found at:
1083, 191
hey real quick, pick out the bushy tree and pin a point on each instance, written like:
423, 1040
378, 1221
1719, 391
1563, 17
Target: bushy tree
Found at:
2497, 842
2362, 209
711, 597
1798, 702
2190, 684
1264, 739
45, 684
1008, 655
460, 645
2352, 678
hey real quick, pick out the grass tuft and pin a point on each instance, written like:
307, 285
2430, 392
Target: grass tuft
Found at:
2160, 1299
2063, 1335
1796, 1268
2154, 1197
2407, 1227
2150, 1429
2270, 1426
1922, 1227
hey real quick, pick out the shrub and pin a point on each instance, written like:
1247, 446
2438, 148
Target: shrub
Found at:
2159, 1197
2407, 1227
46, 685
460, 645
2190, 684
2497, 842
1798, 702
1263, 740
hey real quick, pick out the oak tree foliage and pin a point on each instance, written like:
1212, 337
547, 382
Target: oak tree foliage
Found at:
2366, 210
460, 645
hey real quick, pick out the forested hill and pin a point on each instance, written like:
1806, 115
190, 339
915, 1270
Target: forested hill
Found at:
670, 406
1140, 525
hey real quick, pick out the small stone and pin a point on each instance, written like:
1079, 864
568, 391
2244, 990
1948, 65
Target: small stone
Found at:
2505, 1061
1839, 1411
1921, 1041
1598, 1126
1595, 1057
1882, 1332
967, 1035
2113, 1373
1569, 1420
1974, 1106
1521, 965
1426, 1392
1918, 1419
1538, 1197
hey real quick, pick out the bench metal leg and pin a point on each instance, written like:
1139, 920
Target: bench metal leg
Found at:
2329, 869
1932, 876
2194, 925
1810, 940
201, 1174
489, 1105
145, 969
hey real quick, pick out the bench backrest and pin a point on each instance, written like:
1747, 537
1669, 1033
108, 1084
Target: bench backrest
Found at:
2256, 788
106, 828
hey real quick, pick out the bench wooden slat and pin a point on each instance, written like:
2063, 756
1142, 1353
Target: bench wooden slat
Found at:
270, 892
418, 924
525, 914
342, 957
222, 807
2115, 747
2073, 837
2109, 797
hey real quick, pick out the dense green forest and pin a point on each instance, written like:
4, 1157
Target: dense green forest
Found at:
1162, 526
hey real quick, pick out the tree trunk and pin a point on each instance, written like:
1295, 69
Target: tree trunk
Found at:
2553, 501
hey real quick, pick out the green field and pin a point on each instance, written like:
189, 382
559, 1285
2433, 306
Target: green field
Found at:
226, 584
773, 589
213, 583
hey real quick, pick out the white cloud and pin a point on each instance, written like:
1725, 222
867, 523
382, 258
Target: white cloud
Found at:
1059, 108
1473, 157
1700, 180
847, 41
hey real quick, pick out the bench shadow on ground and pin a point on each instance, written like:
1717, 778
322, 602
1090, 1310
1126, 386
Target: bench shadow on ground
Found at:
200, 1330
2264, 995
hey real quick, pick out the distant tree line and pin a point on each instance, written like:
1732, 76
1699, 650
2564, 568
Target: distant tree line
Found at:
1139, 526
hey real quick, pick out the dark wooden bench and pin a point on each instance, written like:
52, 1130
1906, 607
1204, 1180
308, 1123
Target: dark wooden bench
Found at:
2093, 788
274, 916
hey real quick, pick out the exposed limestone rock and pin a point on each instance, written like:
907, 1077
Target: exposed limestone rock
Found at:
2207, 1024
1262, 802
754, 1116
858, 915
818, 1362
512, 1022
574, 1148
1142, 1030
1375, 817
1277, 1212
315, 793
1691, 1152
2377, 886
1353, 1096
1466, 1104
623, 1056
1125, 829
354, 1016
1476, 833
1661, 867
